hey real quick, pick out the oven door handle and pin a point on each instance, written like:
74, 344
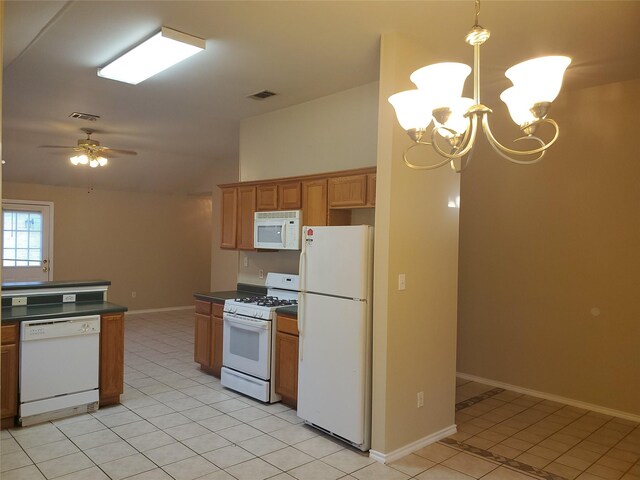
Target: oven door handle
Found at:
252, 325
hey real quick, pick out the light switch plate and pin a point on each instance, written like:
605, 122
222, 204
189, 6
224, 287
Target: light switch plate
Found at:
402, 281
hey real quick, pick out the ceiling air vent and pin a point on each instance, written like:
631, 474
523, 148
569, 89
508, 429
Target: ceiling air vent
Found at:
85, 116
262, 95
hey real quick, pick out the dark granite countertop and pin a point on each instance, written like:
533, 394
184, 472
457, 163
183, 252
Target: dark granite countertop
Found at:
242, 290
291, 310
56, 310
13, 286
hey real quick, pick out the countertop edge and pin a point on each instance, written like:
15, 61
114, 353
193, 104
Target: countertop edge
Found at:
21, 313
13, 286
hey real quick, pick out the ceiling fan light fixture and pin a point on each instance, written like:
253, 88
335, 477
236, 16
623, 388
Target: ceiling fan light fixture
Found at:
102, 161
161, 51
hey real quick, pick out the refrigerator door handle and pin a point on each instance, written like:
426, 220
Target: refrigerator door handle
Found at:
301, 305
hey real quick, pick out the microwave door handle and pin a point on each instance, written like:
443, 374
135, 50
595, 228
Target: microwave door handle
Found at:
283, 233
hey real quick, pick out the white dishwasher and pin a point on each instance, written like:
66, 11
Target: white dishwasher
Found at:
59, 361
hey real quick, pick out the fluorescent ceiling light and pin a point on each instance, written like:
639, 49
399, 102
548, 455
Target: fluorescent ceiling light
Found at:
152, 56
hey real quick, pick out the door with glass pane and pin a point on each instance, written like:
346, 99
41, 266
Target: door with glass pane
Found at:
26, 242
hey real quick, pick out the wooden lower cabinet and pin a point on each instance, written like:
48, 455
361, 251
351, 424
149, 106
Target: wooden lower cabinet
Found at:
9, 375
287, 359
111, 358
208, 337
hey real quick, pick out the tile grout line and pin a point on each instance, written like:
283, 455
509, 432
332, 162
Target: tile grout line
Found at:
505, 461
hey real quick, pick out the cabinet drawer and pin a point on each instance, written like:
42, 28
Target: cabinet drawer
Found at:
287, 325
9, 334
203, 308
217, 309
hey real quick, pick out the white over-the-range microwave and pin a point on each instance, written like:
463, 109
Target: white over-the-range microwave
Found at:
278, 230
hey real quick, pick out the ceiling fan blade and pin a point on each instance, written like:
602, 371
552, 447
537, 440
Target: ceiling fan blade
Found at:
118, 150
57, 146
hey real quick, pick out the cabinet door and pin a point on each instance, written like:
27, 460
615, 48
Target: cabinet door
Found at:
314, 202
289, 196
216, 351
228, 217
246, 209
9, 384
371, 189
287, 368
347, 192
267, 197
111, 358
202, 340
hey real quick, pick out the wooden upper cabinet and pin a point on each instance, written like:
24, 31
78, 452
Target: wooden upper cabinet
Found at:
371, 189
229, 217
267, 197
348, 192
246, 209
289, 196
314, 202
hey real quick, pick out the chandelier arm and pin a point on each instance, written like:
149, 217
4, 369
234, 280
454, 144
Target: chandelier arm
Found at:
464, 148
464, 162
523, 162
421, 167
499, 147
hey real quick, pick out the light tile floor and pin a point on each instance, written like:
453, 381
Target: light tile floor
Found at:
177, 423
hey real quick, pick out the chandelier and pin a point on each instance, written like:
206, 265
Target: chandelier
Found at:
536, 83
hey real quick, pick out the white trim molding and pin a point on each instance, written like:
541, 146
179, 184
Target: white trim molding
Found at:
413, 446
167, 309
549, 396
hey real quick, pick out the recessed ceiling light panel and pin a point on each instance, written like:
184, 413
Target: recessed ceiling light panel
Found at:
163, 50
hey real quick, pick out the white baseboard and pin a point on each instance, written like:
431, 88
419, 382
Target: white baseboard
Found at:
549, 396
167, 309
413, 446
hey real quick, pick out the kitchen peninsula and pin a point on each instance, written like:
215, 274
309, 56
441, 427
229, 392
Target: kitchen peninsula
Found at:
76, 312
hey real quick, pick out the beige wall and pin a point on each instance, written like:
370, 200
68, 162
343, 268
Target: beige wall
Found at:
336, 132
156, 245
549, 259
416, 234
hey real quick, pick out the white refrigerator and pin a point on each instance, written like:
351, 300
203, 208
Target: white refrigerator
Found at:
335, 331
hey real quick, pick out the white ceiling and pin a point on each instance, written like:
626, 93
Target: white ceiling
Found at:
184, 122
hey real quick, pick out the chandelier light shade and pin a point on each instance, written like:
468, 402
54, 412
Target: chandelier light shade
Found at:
413, 109
457, 120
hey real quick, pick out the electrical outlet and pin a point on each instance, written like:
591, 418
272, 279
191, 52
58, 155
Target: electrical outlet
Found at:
133, 294
246, 262
16, 301
420, 399
71, 297
402, 281
260, 273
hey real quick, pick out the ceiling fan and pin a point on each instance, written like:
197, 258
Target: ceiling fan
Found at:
89, 151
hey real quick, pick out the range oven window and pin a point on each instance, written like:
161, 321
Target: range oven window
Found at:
245, 343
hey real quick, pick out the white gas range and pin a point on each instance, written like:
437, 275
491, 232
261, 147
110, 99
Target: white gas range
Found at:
249, 338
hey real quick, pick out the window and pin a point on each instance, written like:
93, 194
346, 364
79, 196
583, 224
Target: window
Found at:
22, 238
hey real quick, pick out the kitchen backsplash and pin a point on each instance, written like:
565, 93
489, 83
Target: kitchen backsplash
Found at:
277, 261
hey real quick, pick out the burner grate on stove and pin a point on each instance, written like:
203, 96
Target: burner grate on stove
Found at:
268, 301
